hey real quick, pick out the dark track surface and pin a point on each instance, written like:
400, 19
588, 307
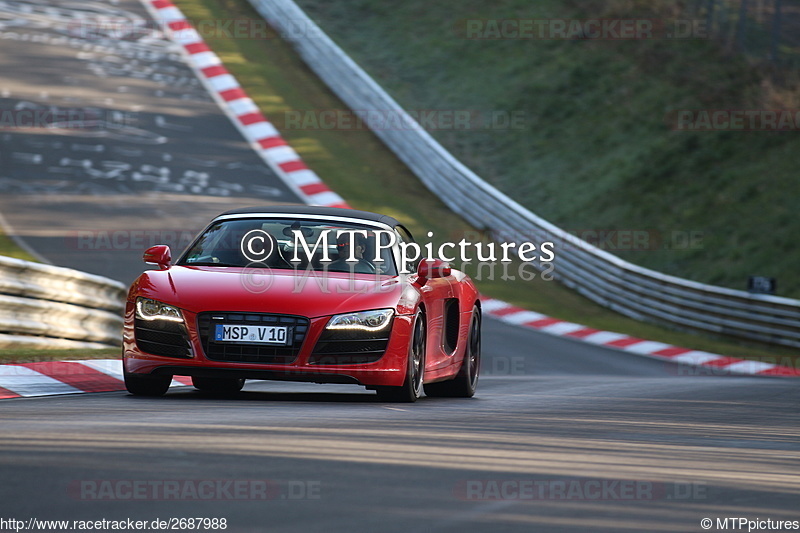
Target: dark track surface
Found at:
143, 155
693, 447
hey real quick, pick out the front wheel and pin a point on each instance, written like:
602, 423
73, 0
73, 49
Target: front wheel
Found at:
411, 389
144, 385
466, 381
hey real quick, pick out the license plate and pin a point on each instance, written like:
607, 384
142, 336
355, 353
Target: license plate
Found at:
252, 334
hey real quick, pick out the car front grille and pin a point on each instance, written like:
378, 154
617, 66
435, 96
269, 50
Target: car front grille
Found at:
251, 353
162, 337
343, 347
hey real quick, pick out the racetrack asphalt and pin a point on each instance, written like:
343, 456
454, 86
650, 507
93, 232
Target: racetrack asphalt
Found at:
141, 154
551, 442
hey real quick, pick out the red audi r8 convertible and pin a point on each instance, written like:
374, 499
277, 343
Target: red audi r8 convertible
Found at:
302, 293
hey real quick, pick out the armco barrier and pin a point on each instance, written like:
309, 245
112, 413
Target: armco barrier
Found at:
631, 290
52, 307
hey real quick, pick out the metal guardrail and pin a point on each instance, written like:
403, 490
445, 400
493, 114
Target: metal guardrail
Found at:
631, 290
52, 307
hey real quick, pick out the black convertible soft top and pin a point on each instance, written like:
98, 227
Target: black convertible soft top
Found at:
314, 210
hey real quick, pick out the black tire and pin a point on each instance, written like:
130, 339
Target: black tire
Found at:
144, 385
218, 385
463, 385
411, 389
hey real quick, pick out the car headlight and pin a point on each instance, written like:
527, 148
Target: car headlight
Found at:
148, 309
363, 320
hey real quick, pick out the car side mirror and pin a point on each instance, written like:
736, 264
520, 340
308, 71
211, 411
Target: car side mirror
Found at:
433, 268
158, 255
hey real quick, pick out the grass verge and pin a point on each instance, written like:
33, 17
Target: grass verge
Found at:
599, 146
9, 248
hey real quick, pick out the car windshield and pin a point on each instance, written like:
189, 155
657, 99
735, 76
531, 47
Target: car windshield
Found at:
293, 244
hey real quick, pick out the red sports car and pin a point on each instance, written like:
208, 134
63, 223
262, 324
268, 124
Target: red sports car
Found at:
302, 293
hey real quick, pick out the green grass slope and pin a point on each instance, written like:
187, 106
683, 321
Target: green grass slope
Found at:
596, 150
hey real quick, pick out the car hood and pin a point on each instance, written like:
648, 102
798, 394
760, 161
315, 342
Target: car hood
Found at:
198, 289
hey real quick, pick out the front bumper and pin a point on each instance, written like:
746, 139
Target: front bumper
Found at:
301, 364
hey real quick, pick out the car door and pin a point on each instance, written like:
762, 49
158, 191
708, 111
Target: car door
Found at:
438, 296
